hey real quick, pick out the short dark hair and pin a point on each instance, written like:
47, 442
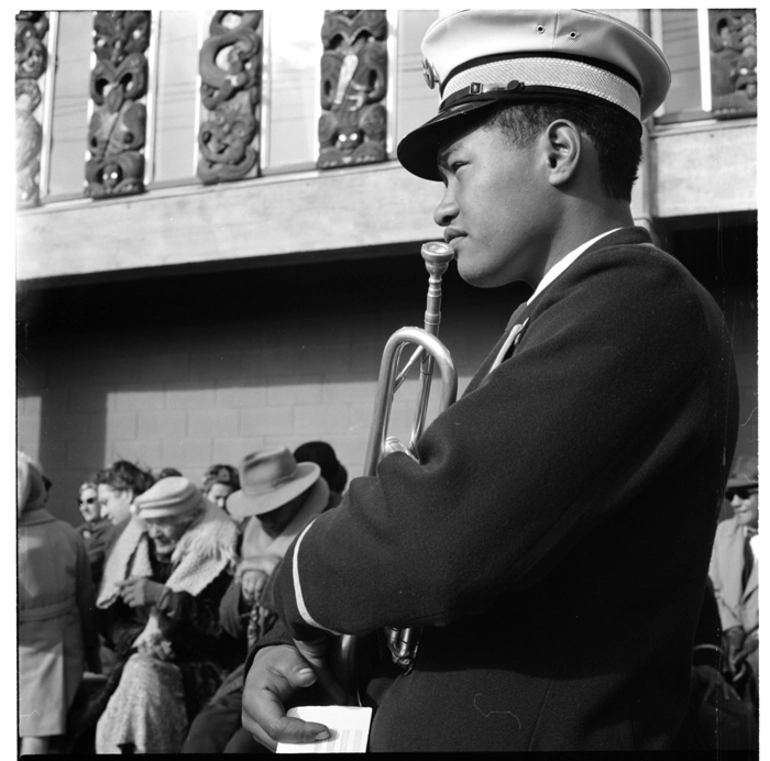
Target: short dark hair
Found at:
167, 472
123, 475
323, 454
615, 134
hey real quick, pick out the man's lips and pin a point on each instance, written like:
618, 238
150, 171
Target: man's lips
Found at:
452, 233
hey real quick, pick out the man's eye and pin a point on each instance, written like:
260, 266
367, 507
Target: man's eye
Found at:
456, 165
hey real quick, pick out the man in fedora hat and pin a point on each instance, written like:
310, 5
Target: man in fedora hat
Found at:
280, 496
556, 610
735, 571
277, 499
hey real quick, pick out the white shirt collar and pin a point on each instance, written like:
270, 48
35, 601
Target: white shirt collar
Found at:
549, 277
562, 265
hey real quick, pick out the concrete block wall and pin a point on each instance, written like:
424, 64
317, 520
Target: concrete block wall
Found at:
190, 396
192, 393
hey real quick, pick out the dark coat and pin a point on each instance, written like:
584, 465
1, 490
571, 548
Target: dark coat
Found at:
555, 540
98, 536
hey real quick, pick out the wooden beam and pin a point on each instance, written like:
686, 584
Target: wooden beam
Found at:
302, 212
705, 168
692, 170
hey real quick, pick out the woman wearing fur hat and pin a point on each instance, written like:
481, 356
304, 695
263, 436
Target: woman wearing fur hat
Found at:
160, 594
57, 634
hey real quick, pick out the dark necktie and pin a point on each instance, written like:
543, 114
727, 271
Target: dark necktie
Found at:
483, 372
748, 559
515, 316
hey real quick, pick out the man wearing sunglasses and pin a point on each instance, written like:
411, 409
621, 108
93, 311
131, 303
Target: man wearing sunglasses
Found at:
735, 573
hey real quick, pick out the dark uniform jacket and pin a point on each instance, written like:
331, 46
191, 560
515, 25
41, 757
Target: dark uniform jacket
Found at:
555, 540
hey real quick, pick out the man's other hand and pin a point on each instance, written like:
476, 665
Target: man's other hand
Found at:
275, 678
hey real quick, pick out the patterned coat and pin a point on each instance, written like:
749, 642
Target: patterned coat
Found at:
148, 700
555, 540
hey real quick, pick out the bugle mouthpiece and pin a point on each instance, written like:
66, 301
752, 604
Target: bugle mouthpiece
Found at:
437, 253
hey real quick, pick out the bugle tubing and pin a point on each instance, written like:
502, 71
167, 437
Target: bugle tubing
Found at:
431, 353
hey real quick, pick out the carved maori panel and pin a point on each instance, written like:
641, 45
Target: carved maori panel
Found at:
733, 43
117, 130
231, 71
31, 63
354, 82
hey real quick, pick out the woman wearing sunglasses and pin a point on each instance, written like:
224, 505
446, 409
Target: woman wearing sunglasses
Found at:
95, 529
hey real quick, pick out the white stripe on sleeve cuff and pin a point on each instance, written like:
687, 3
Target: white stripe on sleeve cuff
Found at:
303, 611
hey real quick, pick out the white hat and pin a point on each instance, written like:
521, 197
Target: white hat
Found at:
482, 57
169, 497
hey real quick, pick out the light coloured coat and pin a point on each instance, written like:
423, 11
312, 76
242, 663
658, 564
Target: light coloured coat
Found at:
55, 621
737, 606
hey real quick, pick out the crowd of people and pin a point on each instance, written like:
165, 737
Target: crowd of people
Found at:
156, 597
165, 587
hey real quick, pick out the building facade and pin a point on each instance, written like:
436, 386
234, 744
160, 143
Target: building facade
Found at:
214, 239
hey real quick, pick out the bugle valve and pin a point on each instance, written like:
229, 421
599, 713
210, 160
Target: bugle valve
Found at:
431, 353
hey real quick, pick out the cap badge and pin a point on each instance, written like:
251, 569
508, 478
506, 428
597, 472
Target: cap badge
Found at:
430, 73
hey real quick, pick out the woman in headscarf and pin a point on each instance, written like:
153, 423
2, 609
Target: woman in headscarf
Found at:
57, 635
160, 594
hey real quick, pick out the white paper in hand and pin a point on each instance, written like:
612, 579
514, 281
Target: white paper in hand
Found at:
348, 725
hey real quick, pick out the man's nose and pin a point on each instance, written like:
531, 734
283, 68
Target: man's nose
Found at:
447, 209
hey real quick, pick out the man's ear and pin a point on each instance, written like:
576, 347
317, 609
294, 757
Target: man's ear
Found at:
129, 494
563, 144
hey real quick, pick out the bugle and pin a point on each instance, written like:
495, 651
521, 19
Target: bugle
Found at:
430, 352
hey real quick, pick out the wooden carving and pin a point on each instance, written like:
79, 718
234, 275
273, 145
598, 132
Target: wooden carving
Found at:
117, 130
230, 70
354, 82
31, 63
733, 42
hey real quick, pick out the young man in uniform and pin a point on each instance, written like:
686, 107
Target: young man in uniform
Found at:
553, 541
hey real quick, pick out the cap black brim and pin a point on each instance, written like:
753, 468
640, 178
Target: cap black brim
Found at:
418, 151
